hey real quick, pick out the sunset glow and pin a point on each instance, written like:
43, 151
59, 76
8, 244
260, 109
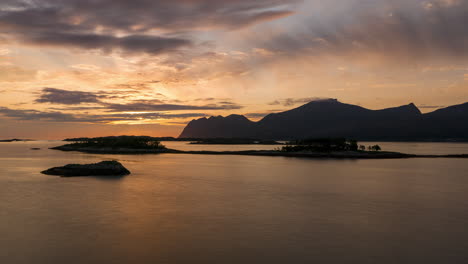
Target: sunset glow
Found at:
149, 67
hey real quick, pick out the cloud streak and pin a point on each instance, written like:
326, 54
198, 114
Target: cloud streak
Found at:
295, 101
55, 116
66, 97
144, 107
59, 96
108, 43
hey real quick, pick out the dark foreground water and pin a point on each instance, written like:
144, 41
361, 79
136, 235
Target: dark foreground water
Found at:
234, 209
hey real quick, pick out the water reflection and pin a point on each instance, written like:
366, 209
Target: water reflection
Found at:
232, 209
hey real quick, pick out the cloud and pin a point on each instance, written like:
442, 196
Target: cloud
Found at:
146, 26
36, 115
295, 101
430, 106
86, 67
4, 51
55, 116
395, 30
59, 96
205, 99
108, 43
11, 73
145, 107
260, 115
101, 98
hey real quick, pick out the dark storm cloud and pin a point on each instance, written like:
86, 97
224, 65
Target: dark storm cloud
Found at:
174, 14
394, 29
55, 116
36, 115
59, 96
91, 24
66, 97
107, 43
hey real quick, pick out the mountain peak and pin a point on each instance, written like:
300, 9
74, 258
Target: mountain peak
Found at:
414, 108
236, 117
325, 101
409, 109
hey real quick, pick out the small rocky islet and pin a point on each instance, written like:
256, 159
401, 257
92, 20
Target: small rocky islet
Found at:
104, 168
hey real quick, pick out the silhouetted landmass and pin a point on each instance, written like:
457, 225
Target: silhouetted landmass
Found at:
160, 139
104, 168
321, 145
272, 153
233, 126
311, 154
116, 142
234, 141
325, 148
152, 138
115, 145
14, 140
331, 118
110, 150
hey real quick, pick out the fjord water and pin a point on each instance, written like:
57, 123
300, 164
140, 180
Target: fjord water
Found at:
235, 209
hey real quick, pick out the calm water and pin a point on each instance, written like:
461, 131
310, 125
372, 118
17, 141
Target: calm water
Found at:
235, 209
404, 147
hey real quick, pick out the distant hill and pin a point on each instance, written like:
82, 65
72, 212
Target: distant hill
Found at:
14, 140
331, 118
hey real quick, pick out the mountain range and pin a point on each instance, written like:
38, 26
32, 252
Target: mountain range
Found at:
331, 118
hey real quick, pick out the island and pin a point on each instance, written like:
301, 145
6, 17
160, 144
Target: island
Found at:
14, 140
116, 145
321, 148
104, 168
234, 141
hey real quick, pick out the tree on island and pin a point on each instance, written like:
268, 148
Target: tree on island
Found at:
321, 145
375, 148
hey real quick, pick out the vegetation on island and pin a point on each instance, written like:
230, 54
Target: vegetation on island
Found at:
327, 145
115, 142
335, 148
234, 141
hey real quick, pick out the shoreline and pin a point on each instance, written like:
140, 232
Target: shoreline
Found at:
265, 153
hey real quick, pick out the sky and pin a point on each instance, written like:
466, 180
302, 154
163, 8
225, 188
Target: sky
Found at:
71, 68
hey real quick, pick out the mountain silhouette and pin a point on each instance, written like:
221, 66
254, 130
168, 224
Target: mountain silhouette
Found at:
233, 126
331, 118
